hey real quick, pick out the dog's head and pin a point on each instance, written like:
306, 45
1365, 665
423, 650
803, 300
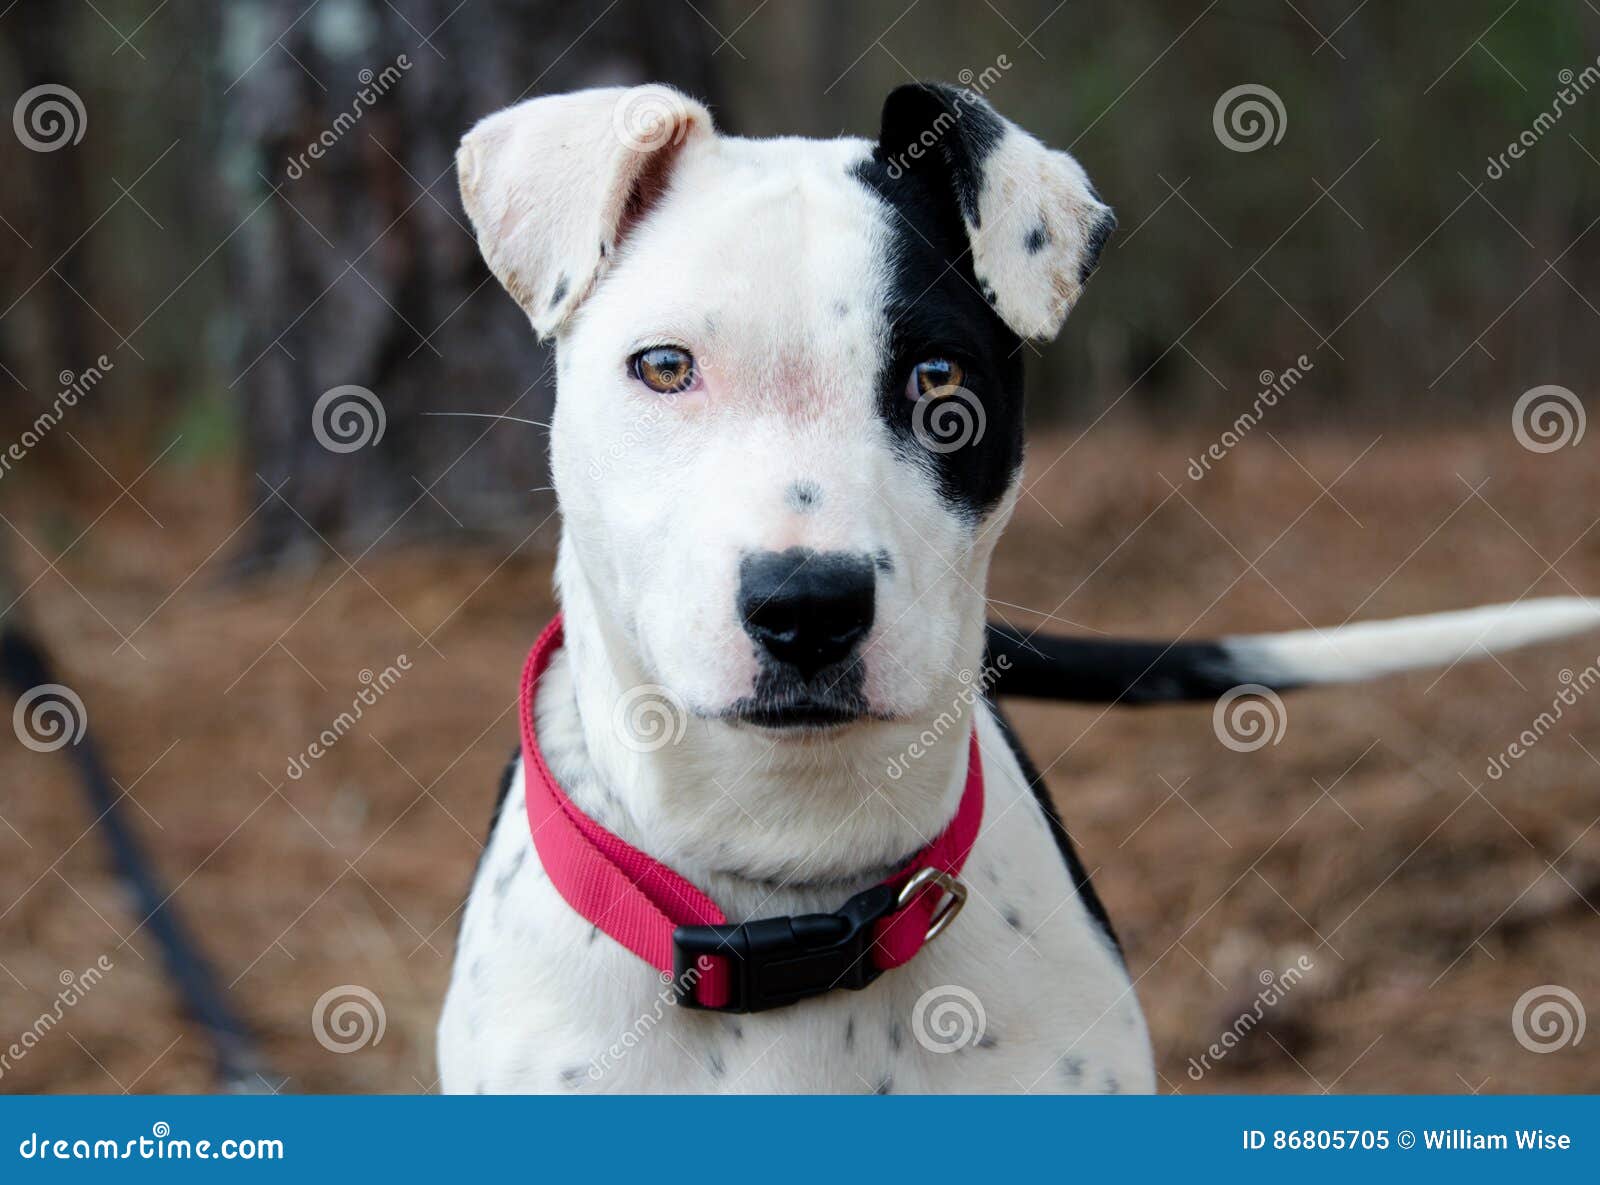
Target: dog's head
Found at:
788, 425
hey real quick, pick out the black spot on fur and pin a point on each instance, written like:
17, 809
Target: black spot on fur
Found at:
1036, 239
1075, 869
988, 1041
1111, 1084
964, 128
885, 1085
507, 776
803, 496
883, 561
897, 1036
1072, 1069
602, 248
561, 290
1098, 234
570, 1076
717, 1066
503, 881
850, 1033
1013, 919
840, 309
935, 309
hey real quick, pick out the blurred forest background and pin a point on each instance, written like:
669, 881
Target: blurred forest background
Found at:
213, 579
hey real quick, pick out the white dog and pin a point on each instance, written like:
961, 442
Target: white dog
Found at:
788, 432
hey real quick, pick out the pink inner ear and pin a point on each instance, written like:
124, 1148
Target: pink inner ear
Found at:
648, 184
516, 211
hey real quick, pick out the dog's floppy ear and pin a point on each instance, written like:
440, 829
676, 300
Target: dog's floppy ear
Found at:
1035, 224
552, 184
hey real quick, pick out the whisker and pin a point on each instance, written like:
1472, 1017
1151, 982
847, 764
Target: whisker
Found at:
483, 415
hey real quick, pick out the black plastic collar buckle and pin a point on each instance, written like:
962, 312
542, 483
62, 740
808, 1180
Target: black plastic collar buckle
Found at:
776, 961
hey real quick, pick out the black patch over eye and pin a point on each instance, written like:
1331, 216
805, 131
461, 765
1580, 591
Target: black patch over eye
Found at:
934, 378
936, 313
665, 369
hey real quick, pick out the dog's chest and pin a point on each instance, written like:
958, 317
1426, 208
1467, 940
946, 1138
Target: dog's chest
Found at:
1024, 992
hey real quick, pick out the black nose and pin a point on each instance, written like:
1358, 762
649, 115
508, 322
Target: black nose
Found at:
806, 608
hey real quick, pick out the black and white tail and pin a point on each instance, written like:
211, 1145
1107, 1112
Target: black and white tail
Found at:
1111, 671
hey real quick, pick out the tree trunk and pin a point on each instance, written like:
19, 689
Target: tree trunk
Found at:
359, 269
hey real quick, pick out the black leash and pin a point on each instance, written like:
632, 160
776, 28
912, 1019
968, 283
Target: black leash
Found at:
24, 665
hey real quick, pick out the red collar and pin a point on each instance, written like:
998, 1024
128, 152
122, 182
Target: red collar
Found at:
678, 930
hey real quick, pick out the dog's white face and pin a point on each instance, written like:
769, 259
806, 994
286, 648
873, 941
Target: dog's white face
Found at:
789, 413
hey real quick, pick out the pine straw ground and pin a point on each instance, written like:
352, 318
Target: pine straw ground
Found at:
1425, 906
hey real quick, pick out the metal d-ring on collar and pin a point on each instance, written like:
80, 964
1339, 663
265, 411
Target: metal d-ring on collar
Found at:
945, 913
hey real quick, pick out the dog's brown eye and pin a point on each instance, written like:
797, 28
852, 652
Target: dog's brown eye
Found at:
666, 369
934, 378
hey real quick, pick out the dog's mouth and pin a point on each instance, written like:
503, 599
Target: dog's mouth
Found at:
796, 715
785, 703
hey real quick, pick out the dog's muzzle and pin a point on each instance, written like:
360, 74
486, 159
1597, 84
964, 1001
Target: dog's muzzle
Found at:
748, 966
